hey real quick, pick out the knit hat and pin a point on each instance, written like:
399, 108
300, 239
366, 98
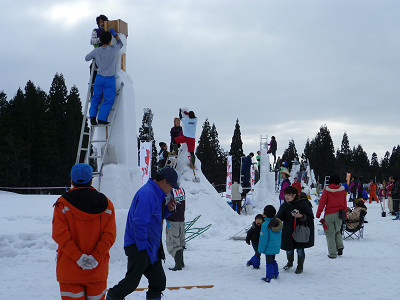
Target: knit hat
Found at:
162, 144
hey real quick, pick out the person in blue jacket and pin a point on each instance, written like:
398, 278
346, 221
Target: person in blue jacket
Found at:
142, 241
270, 241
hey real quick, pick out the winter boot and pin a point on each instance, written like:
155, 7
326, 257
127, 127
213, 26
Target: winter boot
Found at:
340, 251
269, 273
93, 121
178, 261
290, 259
276, 270
251, 261
397, 216
256, 262
300, 263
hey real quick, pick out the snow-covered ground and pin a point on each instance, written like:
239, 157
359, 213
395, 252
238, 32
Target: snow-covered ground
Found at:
367, 270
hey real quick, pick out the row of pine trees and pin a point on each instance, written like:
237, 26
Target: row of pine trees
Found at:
39, 136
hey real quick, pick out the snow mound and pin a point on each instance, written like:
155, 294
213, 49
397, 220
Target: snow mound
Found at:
202, 198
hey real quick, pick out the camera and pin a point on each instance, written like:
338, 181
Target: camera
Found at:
295, 211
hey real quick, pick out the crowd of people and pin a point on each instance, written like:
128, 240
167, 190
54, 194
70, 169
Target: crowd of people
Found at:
84, 225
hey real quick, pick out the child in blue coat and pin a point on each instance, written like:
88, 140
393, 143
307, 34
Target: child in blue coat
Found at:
270, 241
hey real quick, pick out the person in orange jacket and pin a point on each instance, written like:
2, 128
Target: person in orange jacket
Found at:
297, 185
84, 229
372, 191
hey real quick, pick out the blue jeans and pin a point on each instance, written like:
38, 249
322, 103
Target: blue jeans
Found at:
300, 252
103, 86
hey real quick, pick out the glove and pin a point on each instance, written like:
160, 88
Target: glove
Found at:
91, 263
112, 31
82, 261
87, 262
322, 221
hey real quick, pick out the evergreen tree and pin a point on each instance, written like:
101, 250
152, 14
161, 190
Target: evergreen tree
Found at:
212, 157
146, 134
219, 177
236, 151
290, 154
74, 119
322, 156
385, 162
33, 133
344, 156
361, 161
307, 150
394, 161
57, 170
375, 170
205, 151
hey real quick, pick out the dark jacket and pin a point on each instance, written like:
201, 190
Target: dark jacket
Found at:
396, 190
246, 166
175, 132
162, 158
285, 214
253, 235
179, 214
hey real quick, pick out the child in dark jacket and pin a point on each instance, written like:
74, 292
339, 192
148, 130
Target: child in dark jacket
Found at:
270, 241
162, 155
253, 235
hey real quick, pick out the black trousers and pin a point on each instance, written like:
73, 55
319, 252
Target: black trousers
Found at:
138, 265
236, 205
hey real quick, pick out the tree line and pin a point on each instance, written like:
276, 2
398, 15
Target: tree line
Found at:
39, 134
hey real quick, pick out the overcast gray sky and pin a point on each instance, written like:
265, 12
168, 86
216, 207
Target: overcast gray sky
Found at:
282, 68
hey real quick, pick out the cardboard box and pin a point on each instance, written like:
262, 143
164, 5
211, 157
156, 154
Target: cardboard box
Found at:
118, 25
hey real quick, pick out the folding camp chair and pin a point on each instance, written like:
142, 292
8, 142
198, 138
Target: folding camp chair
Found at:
357, 232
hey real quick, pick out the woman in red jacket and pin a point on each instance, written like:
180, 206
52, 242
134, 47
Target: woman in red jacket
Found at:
333, 200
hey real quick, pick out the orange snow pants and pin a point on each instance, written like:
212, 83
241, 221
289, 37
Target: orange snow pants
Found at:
373, 196
83, 291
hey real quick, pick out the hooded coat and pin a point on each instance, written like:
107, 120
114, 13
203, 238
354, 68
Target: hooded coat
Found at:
285, 214
332, 200
270, 238
83, 223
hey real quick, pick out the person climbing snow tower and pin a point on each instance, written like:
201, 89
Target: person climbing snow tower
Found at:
189, 122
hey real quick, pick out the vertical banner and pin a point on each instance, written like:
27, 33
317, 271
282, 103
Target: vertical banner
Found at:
253, 176
229, 177
348, 177
145, 160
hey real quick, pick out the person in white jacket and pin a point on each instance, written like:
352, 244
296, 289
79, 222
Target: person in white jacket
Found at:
189, 123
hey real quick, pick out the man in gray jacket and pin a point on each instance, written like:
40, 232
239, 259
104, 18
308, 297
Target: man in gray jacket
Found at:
104, 84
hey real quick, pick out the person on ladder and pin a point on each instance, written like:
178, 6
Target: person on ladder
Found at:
189, 133
95, 42
104, 84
